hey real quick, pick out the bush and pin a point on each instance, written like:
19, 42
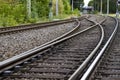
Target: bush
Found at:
32, 20
8, 21
67, 7
76, 12
95, 12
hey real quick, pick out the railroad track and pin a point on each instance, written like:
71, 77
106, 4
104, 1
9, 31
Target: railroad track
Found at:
99, 68
26, 40
35, 26
13, 42
55, 60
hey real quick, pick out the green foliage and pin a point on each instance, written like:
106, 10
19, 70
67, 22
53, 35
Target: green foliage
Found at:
95, 12
42, 8
67, 7
14, 12
8, 21
77, 12
11, 14
32, 20
19, 13
60, 6
96, 4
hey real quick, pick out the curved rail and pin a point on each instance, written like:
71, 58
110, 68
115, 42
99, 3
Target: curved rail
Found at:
64, 35
27, 53
32, 53
84, 64
96, 60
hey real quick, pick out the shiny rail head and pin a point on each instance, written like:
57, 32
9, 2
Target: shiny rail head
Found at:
54, 43
84, 64
98, 57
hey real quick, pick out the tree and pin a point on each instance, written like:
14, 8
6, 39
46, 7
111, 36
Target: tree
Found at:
60, 6
112, 5
67, 8
28, 6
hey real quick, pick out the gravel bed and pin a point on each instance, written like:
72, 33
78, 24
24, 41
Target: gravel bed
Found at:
85, 24
16, 43
96, 18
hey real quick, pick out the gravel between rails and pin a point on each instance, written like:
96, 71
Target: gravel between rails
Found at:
96, 18
62, 61
16, 43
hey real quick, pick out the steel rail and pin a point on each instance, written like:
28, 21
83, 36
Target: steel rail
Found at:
64, 35
37, 48
98, 57
84, 64
34, 24
39, 25
29, 54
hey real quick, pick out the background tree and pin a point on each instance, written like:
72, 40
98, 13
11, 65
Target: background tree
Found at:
60, 7
67, 7
112, 5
